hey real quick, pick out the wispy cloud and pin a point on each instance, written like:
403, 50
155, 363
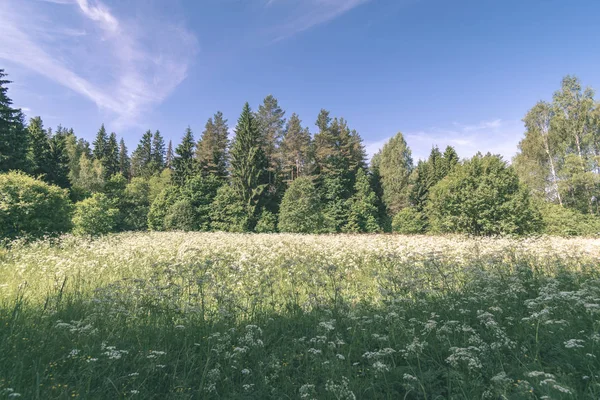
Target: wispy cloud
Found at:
124, 65
305, 14
496, 136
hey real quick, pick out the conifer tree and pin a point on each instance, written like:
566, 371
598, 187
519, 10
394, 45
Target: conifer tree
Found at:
124, 161
270, 120
40, 147
211, 151
100, 144
248, 165
58, 159
169, 156
157, 163
222, 132
363, 206
183, 163
295, 150
110, 163
142, 156
14, 137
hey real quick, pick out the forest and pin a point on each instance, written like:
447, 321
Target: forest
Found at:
277, 174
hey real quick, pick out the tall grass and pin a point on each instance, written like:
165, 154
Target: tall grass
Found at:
226, 316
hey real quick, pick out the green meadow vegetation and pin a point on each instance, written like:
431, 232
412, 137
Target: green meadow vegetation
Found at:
174, 315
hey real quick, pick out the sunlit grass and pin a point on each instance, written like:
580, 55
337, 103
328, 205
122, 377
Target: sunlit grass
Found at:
192, 315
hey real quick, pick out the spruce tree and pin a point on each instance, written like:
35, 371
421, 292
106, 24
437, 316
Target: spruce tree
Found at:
222, 133
100, 144
58, 159
142, 157
124, 161
40, 147
14, 137
249, 165
363, 206
157, 163
111, 157
183, 163
169, 157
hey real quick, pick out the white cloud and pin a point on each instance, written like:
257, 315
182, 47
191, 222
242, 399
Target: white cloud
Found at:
306, 14
125, 66
496, 136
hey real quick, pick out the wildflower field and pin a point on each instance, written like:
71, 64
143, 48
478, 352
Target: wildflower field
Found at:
235, 316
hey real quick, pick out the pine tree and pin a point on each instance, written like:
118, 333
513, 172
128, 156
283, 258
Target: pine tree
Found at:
110, 163
249, 164
211, 151
142, 157
270, 120
169, 156
124, 161
14, 137
183, 163
157, 163
99, 144
295, 150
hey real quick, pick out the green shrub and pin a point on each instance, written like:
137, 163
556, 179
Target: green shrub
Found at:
267, 223
31, 208
561, 221
409, 221
136, 205
181, 216
482, 196
160, 207
95, 216
300, 210
201, 192
228, 212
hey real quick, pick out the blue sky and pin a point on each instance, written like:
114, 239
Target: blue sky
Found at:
460, 72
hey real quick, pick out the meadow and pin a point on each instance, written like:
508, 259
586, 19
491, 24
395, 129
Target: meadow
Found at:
247, 316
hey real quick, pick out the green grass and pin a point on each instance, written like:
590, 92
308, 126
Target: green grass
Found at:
225, 316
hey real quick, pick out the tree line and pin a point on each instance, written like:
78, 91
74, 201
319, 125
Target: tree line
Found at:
274, 174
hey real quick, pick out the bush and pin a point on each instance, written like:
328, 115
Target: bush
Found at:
228, 212
267, 223
136, 205
482, 196
561, 221
201, 192
31, 208
181, 216
300, 210
160, 207
95, 216
409, 221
